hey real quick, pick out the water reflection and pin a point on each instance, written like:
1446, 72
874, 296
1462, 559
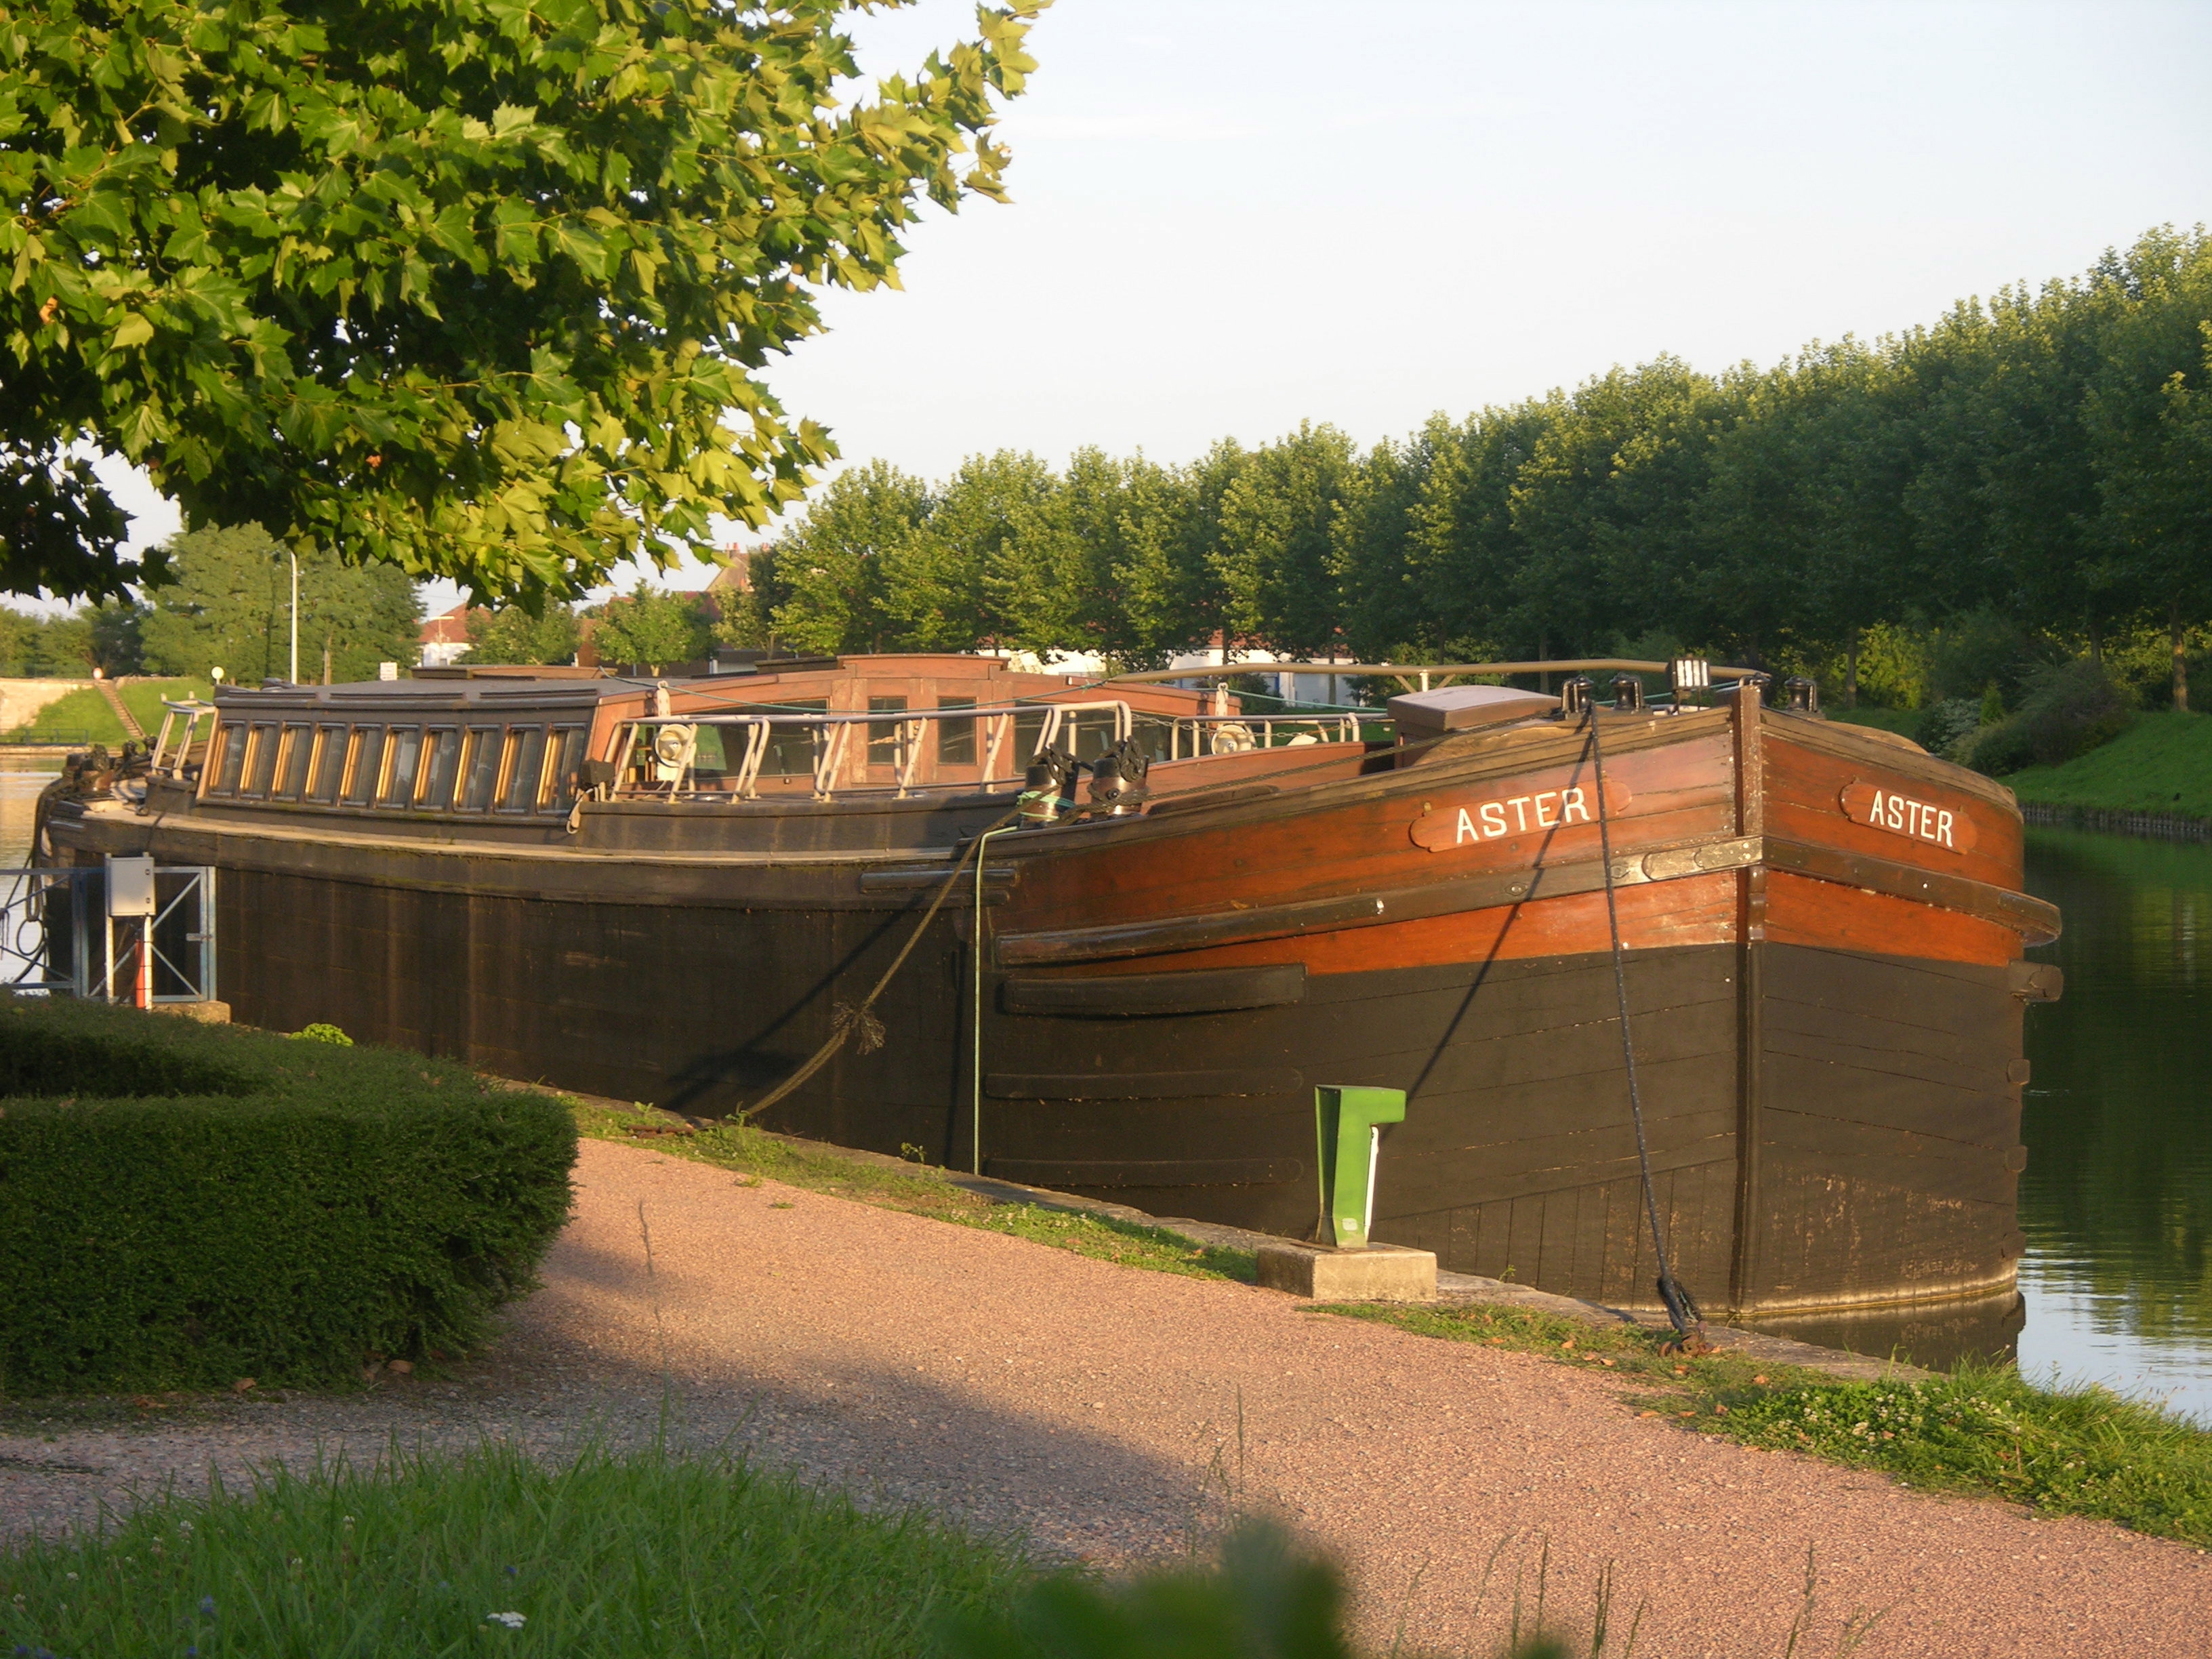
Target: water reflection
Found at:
22, 777
2117, 1200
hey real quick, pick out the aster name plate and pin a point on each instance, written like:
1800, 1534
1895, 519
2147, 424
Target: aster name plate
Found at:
1951, 827
1446, 824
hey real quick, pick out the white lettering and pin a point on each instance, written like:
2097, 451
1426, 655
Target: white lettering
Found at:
1493, 819
1943, 828
1570, 805
1519, 804
1543, 822
1896, 813
1466, 831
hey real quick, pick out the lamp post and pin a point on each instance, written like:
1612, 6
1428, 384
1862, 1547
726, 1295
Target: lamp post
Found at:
295, 678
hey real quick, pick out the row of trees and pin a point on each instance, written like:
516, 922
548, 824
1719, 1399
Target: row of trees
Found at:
2040, 462
228, 606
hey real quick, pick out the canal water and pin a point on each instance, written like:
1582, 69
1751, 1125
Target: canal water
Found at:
2117, 1200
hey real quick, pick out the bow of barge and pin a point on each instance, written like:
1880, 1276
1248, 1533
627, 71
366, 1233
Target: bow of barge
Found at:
1822, 927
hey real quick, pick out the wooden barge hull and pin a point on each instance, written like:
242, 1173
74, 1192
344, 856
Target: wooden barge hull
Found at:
1827, 1009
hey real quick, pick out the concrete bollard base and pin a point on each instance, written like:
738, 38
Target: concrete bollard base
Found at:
1378, 1273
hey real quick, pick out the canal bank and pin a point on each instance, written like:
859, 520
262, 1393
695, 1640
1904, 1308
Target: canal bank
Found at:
1110, 1416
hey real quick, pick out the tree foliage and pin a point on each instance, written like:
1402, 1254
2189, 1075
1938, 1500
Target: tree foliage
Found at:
2028, 476
650, 630
475, 288
229, 607
512, 634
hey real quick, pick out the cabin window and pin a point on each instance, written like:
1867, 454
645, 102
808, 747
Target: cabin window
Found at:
233, 761
367, 761
330, 763
1089, 735
403, 758
884, 735
260, 761
292, 760
526, 769
1029, 726
791, 748
569, 749
481, 769
442, 762
956, 737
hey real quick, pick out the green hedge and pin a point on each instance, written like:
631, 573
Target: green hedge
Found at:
183, 1205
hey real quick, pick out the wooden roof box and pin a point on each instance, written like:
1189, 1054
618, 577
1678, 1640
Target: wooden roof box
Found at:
1463, 707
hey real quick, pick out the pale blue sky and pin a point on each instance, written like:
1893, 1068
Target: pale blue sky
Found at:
1232, 214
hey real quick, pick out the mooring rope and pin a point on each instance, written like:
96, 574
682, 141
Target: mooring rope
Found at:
847, 1020
1681, 1308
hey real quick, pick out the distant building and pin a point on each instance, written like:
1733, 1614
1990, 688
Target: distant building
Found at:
732, 581
445, 637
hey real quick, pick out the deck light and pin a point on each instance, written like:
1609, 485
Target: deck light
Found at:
1690, 679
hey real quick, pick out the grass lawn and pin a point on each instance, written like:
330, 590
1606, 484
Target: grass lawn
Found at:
2161, 763
627, 1557
86, 716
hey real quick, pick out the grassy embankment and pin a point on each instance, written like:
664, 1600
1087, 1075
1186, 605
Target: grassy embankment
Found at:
86, 716
2161, 763
1979, 1431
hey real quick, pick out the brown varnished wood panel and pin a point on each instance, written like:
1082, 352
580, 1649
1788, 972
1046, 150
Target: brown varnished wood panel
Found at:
1824, 914
1354, 838
1802, 803
1691, 910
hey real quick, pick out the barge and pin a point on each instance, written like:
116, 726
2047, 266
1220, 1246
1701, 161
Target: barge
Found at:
1130, 925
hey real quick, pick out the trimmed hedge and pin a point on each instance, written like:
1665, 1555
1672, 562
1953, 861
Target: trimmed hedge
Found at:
183, 1205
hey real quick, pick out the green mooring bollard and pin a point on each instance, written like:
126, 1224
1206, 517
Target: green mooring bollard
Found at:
1345, 1127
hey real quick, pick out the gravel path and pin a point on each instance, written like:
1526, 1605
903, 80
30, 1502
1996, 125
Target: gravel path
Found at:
1114, 1414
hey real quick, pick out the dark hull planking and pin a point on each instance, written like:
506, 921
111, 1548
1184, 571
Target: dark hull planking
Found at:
1831, 1061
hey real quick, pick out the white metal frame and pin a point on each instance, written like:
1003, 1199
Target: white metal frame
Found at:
167, 761
832, 734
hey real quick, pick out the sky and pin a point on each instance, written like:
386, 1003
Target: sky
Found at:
1232, 215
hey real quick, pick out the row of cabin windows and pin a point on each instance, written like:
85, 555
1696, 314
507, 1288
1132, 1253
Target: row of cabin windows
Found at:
472, 768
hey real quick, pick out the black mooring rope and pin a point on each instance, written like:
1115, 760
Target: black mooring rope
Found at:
1681, 1307
845, 1021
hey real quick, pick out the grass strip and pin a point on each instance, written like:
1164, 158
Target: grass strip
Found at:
629, 1557
1980, 1430
2161, 763
920, 1190
654, 1554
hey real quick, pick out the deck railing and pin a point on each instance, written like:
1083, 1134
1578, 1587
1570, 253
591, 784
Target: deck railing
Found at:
670, 753
172, 747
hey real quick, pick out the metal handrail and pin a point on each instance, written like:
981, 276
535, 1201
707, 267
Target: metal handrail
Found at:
1222, 726
830, 753
1406, 670
166, 762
